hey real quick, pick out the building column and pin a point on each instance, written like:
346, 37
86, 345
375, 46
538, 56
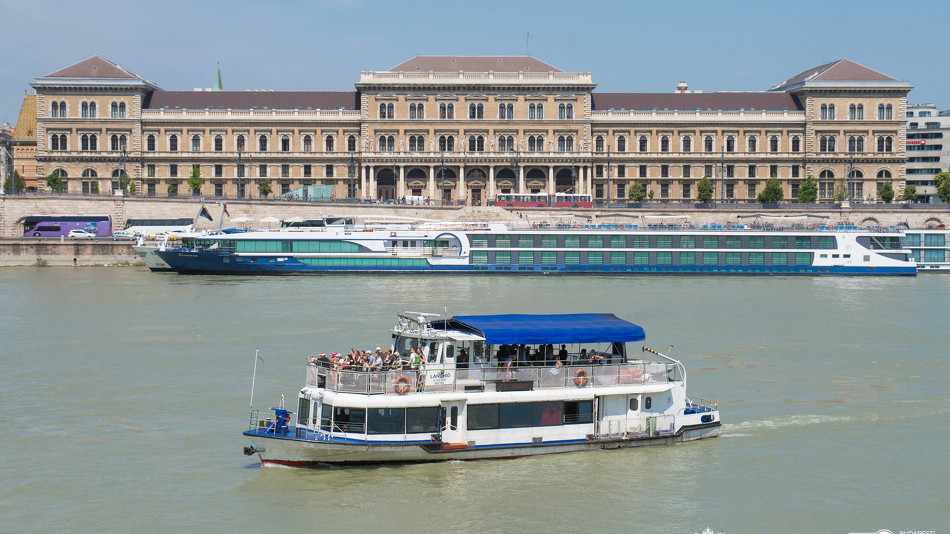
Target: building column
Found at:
401, 189
363, 181
590, 180
461, 194
551, 188
491, 183
431, 194
521, 179
371, 182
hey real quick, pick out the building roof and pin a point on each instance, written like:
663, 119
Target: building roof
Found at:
25, 129
753, 100
842, 70
474, 64
94, 67
253, 99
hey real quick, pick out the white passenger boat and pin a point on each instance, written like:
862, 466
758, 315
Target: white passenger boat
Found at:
490, 386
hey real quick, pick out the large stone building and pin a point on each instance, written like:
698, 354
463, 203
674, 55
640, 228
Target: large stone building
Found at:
473, 127
928, 153
25, 142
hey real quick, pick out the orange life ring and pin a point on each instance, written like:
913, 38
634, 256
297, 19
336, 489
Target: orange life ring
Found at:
580, 378
392, 234
401, 385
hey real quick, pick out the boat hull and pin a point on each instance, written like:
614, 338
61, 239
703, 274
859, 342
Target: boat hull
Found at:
295, 452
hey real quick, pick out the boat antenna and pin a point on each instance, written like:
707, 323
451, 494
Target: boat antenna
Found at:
257, 356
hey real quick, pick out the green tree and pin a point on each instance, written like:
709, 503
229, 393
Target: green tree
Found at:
636, 192
172, 190
944, 191
95, 187
941, 178
8, 185
704, 190
772, 192
263, 187
650, 194
887, 193
124, 181
194, 181
839, 191
910, 192
131, 188
55, 181
808, 192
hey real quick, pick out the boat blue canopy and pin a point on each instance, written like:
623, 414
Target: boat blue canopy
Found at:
558, 328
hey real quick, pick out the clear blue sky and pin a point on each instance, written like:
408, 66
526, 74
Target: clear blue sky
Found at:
628, 46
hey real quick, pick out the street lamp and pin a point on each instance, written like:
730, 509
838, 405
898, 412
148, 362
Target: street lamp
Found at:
850, 170
351, 169
516, 168
442, 175
240, 174
608, 175
123, 156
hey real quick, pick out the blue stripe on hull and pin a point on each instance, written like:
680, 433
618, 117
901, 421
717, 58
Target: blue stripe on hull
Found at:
213, 263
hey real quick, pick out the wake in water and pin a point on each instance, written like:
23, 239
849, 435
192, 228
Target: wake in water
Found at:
737, 429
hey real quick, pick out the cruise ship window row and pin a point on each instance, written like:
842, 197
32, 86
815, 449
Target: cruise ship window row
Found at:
651, 241
690, 258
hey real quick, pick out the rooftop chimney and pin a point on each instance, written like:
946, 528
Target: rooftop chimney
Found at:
681, 87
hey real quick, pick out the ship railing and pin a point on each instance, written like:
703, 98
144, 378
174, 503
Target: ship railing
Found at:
698, 405
401, 382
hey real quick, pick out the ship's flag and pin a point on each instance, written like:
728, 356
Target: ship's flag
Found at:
226, 210
205, 213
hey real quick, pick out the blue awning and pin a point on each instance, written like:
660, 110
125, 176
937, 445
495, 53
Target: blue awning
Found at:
560, 328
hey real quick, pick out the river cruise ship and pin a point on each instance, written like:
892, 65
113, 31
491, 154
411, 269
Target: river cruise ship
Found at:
499, 248
487, 386
929, 248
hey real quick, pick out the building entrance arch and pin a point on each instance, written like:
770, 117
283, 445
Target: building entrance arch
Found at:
565, 181
385, 184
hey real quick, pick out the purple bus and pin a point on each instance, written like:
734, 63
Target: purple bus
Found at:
60, 225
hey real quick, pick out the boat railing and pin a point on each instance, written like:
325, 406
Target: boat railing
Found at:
698, 405
401, 382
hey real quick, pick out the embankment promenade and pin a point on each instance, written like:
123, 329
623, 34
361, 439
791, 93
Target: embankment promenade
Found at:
15, 250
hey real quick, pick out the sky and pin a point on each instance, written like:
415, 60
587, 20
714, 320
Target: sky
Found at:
628, 46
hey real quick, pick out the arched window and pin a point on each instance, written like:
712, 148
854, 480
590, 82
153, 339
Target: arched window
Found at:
888, 144
561, 111
54, 110
114, 142
382, 143
502, 143
570, 111
240, 143
642, 143
708, 143
92, 109
121, 109
351, 143
824, 111
501, 111
471, 143
451, 111
560, 140
831, 143
773, 143
173, 143
115, 110
480, 111
860, 115
531, 111
851, 144
285, 143
93, 142
480, 143
412, 111
510, 108
150, 143
195, 143
570, 142
539, 143
823, 144
598, 144
665, 143
420, 111
328, 144
54, 142
85, 109
471, 111
730, 144
831, 112
852, 112
531, 144
218, 143
442, 112
796, 144
687, 144
442, 144
621, 143
307, 143
262, 143
880, 111
884, 175
855, 144
391, 144
827, 175
450, 143
382, 111
389, 111
753, 144
540, 111
887, 111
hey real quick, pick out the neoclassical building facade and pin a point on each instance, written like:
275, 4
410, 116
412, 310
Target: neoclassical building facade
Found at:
469, 128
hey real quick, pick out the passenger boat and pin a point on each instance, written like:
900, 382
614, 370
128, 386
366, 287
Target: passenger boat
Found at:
490, 386
930, 248
546, 249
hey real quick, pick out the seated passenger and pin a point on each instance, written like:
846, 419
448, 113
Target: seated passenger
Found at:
562, 354
595, 358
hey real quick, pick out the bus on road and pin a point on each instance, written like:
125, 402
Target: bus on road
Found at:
151, 227
60, 225
543, 200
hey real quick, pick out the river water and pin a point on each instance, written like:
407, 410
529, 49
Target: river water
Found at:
123, 395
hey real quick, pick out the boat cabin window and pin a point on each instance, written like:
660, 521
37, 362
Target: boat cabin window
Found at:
648, 403
349, 419
326, 418
454, 418
634, 404
431, 352
386, 421
529, 414
303, 411
449, 355
422, 420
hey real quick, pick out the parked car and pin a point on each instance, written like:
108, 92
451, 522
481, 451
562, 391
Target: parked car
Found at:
124, 234
81, 234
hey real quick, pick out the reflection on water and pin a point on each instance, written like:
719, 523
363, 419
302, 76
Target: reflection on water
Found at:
123, 395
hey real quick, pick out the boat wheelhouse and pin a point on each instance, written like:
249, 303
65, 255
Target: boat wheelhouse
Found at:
489, 386
547, 249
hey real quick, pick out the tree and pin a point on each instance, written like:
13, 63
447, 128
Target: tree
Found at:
910, 192
95, 187
808, 192
944, 191
194, 181
650, 194
772, 192
704, 190
8, 185
124, 181
636, 192
942, 177
131, 188
839, 191
172, 190
263, 187
887, 193
54, 181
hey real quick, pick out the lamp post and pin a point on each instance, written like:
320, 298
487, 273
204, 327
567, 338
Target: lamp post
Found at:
123, 156
442, 175
608, 176
516, 168
351, 169
722, 175
395, 178
240, 173
850, 170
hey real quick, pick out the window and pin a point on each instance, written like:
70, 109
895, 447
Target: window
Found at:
686, 171
150, 143
561, 111
195, 143
89, 142
773, 143
285, 171
307, 171
851, 112
773, 171
855, 144
262, 171
642, 143
753, 144
824, 111
643, 171
218, 171
570, 111
285, 143
831, 112
307, 143
85, 109
121, 110
54, 111
796, 144
262, 143
664, 171
708, 143
92, 109
687, 193
710, 258
173, 171
328, 143
880, 111
389, 111
751, 171
621, 190
476, 143
218, 143
446, 143
351, 143
687, 144
795, 174
730, 144
621, 144
888, 111
328, 171
446, 111
730, 171
115, 110
540, 111
599, 144
621, 171
240, 143
599, 171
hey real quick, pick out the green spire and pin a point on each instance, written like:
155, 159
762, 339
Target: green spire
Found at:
218, 86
